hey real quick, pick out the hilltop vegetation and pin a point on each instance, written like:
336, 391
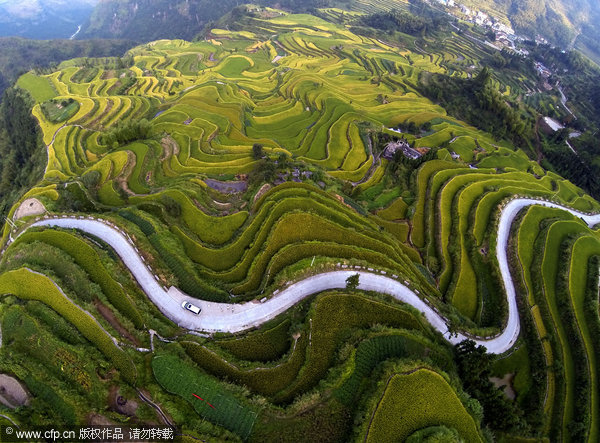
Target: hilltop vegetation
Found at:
256, 157
18, 55
43, 19
22, 157
146, 20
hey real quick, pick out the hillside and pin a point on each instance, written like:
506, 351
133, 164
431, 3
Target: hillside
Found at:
19, 55
245, 173
146, 20
43, 19
563, 22
20, 143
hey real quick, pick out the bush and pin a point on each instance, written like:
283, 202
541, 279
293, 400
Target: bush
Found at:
91, 179
257, 151
172, 207
352, 282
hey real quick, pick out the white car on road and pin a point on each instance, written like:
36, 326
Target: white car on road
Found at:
190, 307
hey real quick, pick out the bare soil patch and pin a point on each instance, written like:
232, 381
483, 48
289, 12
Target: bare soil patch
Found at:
507, 382
31, 206
110, 317
122, 178
109, 73
12, 393
98, 420
170, 147
120, 404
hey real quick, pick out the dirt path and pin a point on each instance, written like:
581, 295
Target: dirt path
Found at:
145, 396
122, 178
264, 188
170, 148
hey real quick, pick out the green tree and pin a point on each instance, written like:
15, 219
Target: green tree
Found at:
474, 368
352, 282
172, 206
257, 151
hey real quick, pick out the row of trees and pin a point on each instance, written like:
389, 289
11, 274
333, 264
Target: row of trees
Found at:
400, 21
412, 128
419, 19
126, 132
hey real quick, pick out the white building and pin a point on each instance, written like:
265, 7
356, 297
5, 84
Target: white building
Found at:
553, 124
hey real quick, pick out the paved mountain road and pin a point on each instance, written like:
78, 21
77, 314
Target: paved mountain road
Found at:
225, 317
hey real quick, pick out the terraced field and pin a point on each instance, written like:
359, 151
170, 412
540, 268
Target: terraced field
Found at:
243, 163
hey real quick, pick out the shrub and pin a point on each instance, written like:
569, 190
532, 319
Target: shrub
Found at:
352, 282
126, 132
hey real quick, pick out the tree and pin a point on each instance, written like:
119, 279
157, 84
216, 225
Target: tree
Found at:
352, 282
283, 160
264, 171
257, 151
484, 76
172, 206
474, 368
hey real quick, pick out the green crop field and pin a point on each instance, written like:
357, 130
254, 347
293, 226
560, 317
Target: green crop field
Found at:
39, 87
437, 405
220, 406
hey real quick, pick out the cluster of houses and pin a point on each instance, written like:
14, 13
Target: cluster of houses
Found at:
401, 145
542, 70
505, 35
478, 17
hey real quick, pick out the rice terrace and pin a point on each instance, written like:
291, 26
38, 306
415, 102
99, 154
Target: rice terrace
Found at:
347, 242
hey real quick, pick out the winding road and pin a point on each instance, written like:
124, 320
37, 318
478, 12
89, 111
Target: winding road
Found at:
225, 317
